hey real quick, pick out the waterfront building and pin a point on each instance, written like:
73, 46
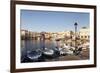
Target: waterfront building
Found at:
84, 33
24, 34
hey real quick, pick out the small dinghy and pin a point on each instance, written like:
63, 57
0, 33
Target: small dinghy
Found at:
68, 49
48, 53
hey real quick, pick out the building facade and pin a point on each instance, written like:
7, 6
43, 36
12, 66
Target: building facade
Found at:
84, 33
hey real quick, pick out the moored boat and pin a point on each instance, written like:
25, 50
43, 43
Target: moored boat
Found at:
48, 53
34, 56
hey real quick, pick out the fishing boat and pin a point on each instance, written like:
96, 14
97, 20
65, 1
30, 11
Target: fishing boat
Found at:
48, 53
34, 55
68, 49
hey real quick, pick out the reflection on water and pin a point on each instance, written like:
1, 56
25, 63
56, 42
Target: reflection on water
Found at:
30, 51
31, 45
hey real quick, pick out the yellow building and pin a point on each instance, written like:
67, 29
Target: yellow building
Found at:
84, 33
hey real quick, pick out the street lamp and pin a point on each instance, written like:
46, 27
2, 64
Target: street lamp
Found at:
75, 35
71, 32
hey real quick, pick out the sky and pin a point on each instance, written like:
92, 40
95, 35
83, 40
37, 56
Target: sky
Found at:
53, 21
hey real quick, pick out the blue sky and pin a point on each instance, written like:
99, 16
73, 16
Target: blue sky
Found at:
52, 21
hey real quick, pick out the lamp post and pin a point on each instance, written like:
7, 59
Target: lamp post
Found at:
71, 37
75, 35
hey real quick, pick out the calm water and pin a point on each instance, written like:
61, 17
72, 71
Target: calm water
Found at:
29, 45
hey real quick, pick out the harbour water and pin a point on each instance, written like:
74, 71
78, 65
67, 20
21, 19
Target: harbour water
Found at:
33, 45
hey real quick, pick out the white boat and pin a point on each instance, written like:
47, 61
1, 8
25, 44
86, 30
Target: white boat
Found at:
62, 51
68, 49
70, 52
48, 52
